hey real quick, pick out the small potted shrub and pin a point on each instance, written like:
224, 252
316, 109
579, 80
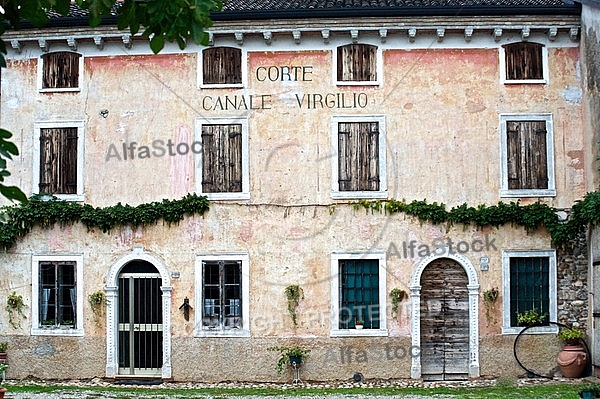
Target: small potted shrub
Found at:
573, 359
359, 324
3, 349
294, 355
531, 318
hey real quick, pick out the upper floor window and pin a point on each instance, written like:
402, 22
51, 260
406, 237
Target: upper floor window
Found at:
529, 284
359, 168
224, 159
58, 159
61, 71
357, 64
524, 62
222, 66
358, 288
528, 155
57, 295
222, 301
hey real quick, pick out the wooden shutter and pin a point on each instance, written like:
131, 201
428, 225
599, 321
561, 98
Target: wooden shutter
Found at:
58, 160
222, 65
357, 63
358, 160
524, 61
60, 70
221, 158
527, 162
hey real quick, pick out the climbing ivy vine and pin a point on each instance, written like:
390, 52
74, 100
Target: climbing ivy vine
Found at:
18, 220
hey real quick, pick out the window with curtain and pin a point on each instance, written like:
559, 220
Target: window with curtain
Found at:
57, 294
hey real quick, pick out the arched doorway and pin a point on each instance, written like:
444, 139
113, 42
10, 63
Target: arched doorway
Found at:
138, 292
459, 266
444, 321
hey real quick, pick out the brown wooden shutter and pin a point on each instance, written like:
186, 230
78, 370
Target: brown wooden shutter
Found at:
221, 158
358, 159
357, 63
58, 161
527, 155
524, 61
60, 70
222, 65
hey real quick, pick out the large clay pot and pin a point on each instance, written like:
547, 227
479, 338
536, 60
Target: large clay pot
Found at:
572, 360
2, 392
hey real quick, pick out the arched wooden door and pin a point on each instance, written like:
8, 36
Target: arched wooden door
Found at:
444, 321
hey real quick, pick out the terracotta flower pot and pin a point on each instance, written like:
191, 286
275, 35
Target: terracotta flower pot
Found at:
2, 392
572, 360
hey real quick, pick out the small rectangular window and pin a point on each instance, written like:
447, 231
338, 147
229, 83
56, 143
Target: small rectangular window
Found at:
358, 145
529, 287
222, 158
57, 295
222, 66
359, 283
524, 62
58, 160
61, 70
357, 63
528, 155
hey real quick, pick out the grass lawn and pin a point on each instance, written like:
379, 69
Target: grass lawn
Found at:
503, 390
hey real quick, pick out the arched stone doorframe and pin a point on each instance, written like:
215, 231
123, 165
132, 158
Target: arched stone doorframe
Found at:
415, 296
112, 299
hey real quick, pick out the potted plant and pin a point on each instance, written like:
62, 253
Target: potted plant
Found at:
3, 390
531, 318
294, 355
573, 358
359, 324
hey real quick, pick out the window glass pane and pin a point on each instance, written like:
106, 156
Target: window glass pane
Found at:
529, 286
359, 286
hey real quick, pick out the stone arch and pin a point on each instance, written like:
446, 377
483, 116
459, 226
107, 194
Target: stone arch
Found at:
415, 295
111, 289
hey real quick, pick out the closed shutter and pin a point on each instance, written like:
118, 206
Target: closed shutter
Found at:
358, 160
222, 65
357, 63
221, 158
527, 163
60, 70
529, 286
524, 61
58, 160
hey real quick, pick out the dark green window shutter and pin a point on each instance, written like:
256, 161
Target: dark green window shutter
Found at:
529, 286
359, 293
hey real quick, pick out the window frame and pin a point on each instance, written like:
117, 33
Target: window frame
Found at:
378, 68
40, 74
245, 193
334, 330
199, 331
552, 285
545, 66
243, 66
38, 126
515, 193
77, 329
382, 193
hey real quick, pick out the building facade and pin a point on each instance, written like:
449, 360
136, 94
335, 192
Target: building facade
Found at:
325, 141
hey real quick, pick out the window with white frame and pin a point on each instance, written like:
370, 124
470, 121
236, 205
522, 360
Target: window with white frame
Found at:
58, 159
529, 279
221, 67
357, 63
359, 169
524, 62
57, 295
358, 293
222, 164
60, 71
527, 155
222, 295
